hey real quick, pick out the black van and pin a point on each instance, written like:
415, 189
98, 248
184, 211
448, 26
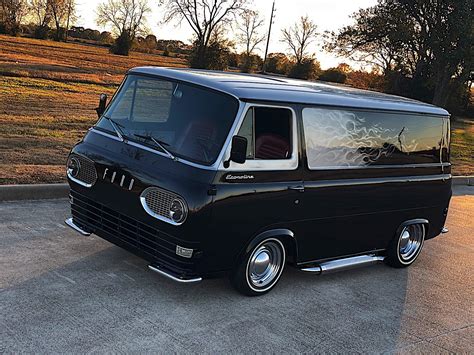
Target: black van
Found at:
208, 173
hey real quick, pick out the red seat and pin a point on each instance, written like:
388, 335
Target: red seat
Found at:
271, 146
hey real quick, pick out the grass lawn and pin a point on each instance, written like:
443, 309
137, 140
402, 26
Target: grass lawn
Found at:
48, 92
462, 146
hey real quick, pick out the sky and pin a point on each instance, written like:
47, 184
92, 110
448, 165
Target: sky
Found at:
329, 15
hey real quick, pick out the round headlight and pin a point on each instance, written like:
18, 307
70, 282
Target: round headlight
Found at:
73, 166
178, 211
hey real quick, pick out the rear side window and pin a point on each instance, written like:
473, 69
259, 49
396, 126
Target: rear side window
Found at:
344, 138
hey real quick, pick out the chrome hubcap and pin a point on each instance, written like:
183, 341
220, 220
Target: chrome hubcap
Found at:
265, 264
411, 240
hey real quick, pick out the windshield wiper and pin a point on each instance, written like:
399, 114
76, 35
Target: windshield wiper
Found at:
116, 126
161, 144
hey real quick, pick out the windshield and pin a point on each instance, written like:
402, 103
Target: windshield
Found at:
178, 119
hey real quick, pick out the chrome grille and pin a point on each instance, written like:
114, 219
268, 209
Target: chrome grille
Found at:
157, 202
87, 174
142, 238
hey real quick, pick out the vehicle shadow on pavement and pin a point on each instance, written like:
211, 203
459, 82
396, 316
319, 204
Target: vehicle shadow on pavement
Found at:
111, 301
66, 293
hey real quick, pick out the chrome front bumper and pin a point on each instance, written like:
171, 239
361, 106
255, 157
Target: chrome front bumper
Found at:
161, 271
70, 223
173, 277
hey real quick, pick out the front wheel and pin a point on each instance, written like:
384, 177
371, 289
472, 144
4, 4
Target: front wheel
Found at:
260, 268
406, 246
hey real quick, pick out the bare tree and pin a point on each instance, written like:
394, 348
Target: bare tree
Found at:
299, 37
124, 15
12, 13
248, 31
204, 17
127, 19
61, 12
70, 14
40, 11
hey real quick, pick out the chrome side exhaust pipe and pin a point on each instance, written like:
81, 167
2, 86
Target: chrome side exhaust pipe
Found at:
344, 264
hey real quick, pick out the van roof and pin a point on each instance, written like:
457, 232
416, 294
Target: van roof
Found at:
272, 88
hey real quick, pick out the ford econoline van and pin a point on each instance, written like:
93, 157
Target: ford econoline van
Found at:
207, 173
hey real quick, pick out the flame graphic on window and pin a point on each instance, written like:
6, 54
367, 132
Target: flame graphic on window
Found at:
341, 138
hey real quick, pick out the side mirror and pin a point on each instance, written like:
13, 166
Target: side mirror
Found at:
102, 105
238, 151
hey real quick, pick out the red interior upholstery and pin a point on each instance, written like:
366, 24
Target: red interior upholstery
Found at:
271, 146
195, 135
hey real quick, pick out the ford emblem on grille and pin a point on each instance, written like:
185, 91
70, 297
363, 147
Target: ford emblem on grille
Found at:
121, 179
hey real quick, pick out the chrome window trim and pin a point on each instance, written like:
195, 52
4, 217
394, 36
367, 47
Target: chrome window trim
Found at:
157, 216
212, 167
262, 164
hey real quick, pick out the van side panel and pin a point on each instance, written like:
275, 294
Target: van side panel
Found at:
358, 215
366, 173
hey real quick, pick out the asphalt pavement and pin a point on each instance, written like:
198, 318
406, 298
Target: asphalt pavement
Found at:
64, 293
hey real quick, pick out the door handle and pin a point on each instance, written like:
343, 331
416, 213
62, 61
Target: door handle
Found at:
299, 188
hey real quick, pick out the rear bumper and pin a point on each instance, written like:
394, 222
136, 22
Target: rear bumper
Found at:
153, 245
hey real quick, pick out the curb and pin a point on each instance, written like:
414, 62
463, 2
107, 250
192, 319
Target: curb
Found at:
463, 180
54, 191
33, 192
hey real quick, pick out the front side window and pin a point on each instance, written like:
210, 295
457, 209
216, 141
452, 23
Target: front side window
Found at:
272, 139
269, 133
189, 121
344, 138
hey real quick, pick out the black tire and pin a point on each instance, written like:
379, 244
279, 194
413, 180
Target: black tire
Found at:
406, 246
260, 269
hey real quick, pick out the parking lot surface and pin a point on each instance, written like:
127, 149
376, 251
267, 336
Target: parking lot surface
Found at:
61, 292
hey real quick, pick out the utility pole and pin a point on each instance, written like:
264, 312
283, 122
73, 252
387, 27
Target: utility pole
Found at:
264, 67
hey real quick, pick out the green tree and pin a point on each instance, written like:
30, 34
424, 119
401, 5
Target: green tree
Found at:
308, 69
279, 63
424, 48
217, 55
334, 75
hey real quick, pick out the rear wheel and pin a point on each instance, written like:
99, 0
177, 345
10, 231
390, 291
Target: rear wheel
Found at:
406, 246
260, 269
